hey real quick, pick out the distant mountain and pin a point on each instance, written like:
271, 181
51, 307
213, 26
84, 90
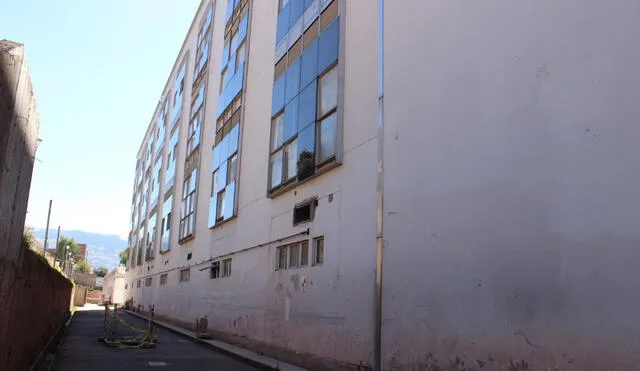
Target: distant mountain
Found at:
102, 249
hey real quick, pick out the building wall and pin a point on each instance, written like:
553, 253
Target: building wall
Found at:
34, 298
511, 178
113, 289
510, 215
322, 311
18, 135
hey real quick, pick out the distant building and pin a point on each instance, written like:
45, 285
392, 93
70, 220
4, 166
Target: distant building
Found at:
114, 286
82, 255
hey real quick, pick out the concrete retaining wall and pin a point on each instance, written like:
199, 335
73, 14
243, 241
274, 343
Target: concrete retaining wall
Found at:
35, 300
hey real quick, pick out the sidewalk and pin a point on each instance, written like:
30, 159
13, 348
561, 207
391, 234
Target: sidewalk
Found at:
81, 350
256, 359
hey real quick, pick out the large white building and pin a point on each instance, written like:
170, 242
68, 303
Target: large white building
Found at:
511, 212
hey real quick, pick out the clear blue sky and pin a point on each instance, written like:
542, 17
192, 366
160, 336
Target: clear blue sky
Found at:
98, 69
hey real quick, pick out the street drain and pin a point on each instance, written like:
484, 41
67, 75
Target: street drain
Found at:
157, 364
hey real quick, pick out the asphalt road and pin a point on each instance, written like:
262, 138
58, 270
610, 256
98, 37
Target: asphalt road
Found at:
81, 350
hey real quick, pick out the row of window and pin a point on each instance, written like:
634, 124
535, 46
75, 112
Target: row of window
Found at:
304, 126
297, 255
289, 256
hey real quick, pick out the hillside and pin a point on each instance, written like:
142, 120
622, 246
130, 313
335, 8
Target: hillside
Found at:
102, 249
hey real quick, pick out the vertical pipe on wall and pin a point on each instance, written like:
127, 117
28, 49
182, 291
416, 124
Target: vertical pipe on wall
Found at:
377, 362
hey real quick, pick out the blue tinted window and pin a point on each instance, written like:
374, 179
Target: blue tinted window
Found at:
221, 178
229, 195
225, 56
307, 3
309, 64
306, 151
295, 11
328, 46
224, 148
215, 158
307, 106
213, 206
278, 95
283, 23
233, 139
230, 7
290, 119
242, 28
222, 102
232, 64
293, 81
236, 83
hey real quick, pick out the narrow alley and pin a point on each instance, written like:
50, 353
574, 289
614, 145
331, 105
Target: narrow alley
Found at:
81, 350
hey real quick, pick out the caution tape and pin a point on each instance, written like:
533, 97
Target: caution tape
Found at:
144, 339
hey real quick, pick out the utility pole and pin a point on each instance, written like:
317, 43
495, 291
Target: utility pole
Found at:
55, 257
46, 232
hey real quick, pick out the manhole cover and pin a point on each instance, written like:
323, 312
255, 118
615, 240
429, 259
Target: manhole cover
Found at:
157, 364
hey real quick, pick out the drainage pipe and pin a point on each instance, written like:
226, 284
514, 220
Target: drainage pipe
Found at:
377, 349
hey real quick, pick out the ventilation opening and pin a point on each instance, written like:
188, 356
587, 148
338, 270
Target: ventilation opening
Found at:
304, 212
189, 256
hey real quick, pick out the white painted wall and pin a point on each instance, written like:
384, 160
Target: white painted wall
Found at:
511, 203
512, 208
322, 310
113, 289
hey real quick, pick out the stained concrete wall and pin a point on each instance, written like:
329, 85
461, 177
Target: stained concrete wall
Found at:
18, 135
512, 211
34, 298
324, 312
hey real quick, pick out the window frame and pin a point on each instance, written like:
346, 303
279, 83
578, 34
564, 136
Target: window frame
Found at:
331, 12
163, 279
290, 256
314, 260
214, 271
188, 207
226, 267
185, 275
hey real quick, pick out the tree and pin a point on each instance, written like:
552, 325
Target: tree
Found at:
100, 272
123, 257
28, 239
62, 244
83, 266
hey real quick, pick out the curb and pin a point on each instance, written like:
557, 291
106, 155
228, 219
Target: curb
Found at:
43, 361
241, 354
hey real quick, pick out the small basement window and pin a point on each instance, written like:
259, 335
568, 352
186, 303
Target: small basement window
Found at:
304, 212
215, 270
185, 275
226, 268
318, 251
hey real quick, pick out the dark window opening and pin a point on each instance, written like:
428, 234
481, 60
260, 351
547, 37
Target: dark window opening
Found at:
304, 213
215, 270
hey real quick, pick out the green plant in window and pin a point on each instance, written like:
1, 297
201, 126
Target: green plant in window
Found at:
305, 165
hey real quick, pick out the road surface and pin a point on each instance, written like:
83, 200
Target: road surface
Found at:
81, 350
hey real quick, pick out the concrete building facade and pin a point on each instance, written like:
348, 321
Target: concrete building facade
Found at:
511, 219
113, 287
